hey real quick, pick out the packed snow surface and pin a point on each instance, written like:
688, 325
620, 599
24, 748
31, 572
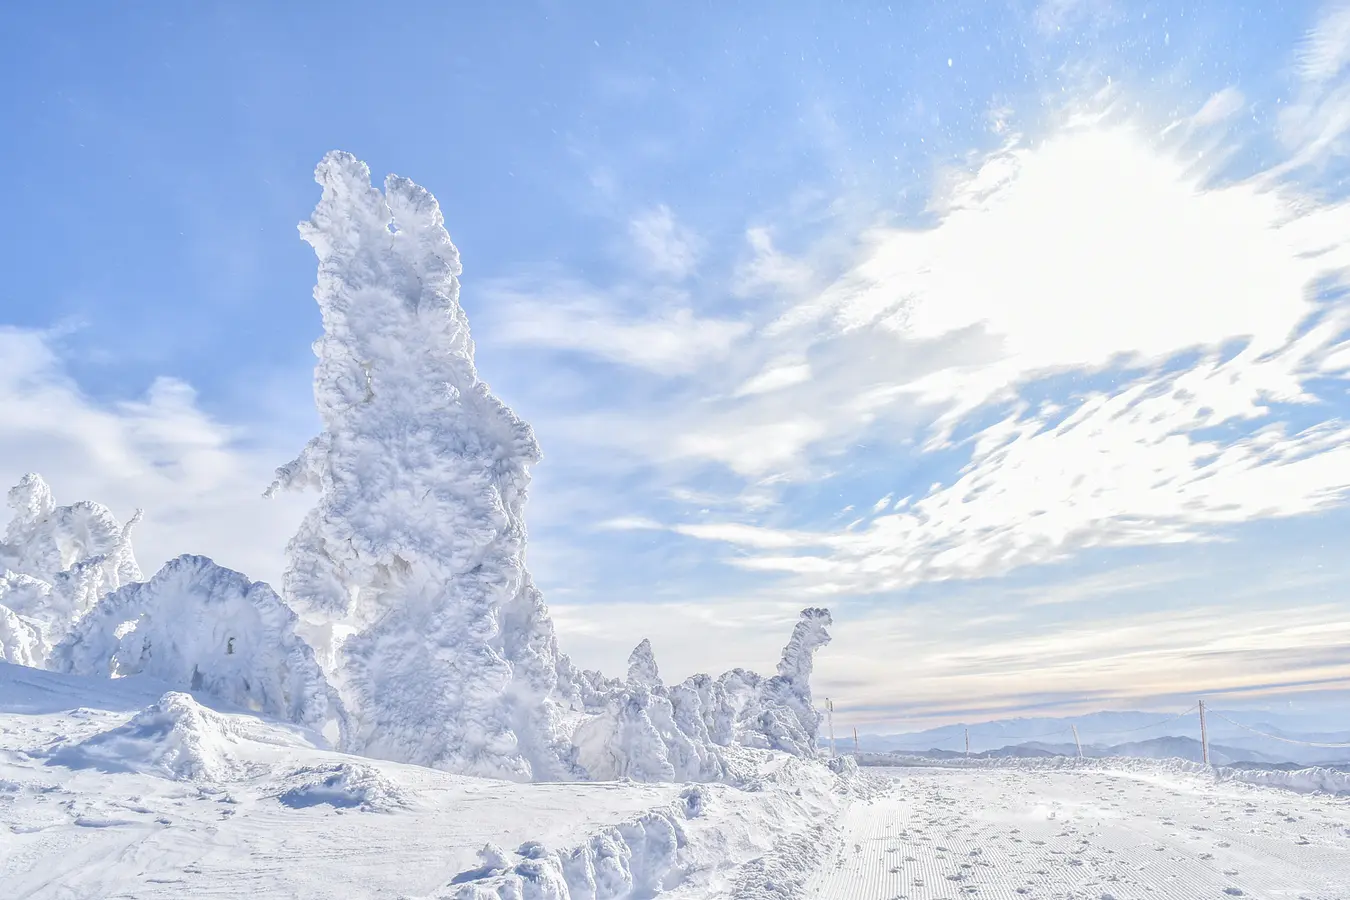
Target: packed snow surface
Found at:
1059, 832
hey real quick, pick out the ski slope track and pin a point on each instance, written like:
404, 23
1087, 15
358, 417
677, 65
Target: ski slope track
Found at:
1134, 832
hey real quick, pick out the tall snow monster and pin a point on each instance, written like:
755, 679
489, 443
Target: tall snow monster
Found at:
409, 572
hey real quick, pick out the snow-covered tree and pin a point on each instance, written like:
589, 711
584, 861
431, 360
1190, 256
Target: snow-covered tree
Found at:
410, 569
204, 628
55, 563
642, 666
773, 713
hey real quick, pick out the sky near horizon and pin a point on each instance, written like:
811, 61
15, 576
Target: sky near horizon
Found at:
1016, 333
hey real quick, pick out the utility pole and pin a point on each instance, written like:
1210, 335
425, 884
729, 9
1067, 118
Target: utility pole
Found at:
967, 743
1204, 734
829, 717
1076, 741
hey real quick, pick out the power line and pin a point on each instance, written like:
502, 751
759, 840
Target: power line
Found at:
1276, 737
1151, 724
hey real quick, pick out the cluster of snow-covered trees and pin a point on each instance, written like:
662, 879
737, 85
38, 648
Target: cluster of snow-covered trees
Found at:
410, 628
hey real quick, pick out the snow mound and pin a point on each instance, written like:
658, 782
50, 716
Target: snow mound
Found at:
410, 570
342, 785
175, 738
55, 563
204, 628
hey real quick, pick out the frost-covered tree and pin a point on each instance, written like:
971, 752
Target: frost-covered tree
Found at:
204, 628
774, 713
55, 563
642, 666
647, 731
410, 569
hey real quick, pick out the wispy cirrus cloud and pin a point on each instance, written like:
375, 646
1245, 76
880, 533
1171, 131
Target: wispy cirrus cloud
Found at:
665, 247
668, 338
1119, 346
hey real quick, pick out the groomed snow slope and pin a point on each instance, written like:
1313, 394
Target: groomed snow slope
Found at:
124, 788
1002, 833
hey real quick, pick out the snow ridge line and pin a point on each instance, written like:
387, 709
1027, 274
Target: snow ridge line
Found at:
1313, 779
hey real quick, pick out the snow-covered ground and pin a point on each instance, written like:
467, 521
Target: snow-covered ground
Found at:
119, 788
111, 788
1092, 832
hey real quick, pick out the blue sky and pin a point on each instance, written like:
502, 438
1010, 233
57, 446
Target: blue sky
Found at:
1062, 283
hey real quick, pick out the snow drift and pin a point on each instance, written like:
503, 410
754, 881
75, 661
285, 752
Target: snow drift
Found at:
201, 627
175, 738
55, 563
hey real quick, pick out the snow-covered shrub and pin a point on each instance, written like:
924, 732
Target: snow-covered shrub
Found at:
409, 571
55, 563
201, 627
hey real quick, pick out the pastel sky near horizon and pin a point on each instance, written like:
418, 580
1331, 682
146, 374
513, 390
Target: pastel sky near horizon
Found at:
1016, 333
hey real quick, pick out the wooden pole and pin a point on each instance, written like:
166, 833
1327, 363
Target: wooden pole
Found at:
829, 716
1204, 734
1076, 741
967, 743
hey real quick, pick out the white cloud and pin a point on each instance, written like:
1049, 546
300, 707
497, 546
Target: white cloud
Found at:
780, 374
769, 268
1094, 252
1220, 106
563, 315
1326, 49
201, 491
1053, 16
999, 664
1314, 124
1087, 247
668, 249
1124, 468
630, 523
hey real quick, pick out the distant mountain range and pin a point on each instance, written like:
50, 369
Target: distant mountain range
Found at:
1156, 748
1147, 735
